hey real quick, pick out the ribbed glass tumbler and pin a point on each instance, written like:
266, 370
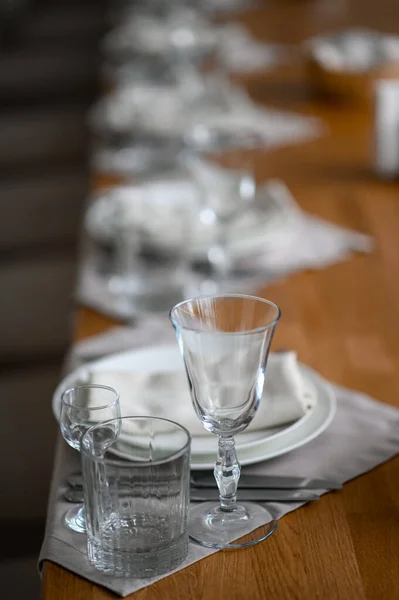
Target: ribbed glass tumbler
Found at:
137, 497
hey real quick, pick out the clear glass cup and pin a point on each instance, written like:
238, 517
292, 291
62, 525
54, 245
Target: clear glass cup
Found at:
225, 341
137, 504
82, 407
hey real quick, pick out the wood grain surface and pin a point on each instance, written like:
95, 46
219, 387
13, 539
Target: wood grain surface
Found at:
342, 320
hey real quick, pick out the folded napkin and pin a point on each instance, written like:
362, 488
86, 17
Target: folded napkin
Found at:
202, 195
211, 116
239, 52
181, 31
285, 397
363, 434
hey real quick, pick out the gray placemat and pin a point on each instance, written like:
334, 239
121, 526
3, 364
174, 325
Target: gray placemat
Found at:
363, 434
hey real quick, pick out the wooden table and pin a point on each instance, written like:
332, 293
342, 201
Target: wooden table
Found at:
342, 320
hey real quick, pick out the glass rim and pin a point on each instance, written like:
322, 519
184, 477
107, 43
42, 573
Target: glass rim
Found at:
90, 386
259, 329
128, 463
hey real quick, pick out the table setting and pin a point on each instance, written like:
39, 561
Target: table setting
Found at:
330, 434
264, 236
186, 429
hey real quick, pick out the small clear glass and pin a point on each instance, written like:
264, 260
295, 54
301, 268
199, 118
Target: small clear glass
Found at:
225, 341
137, 505
82, 407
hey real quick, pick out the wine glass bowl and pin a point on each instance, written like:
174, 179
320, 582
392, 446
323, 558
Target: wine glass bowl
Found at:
82, 407
224, 341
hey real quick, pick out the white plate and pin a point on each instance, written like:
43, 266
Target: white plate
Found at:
252, 447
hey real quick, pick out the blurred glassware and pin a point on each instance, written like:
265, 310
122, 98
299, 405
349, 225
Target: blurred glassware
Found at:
121, 10
232, 223
82, 407
126, 159
220, 7
138, 69
181, 33
228, 193
204, 113
144, 230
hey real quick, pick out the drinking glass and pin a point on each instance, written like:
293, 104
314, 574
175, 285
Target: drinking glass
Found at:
137, 505
225, 341
82, 407
240, 193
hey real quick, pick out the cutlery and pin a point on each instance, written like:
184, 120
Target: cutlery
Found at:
204, 494
255, 495
205, 480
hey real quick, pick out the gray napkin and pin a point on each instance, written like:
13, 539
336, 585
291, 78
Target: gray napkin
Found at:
363, 434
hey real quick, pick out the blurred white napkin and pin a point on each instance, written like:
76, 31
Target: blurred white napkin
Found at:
239, 52
166, 394
270, 232
355, 50
214, 115
183, 31
275, 237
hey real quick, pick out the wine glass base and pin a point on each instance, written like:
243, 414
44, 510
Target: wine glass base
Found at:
213, 528
75, 519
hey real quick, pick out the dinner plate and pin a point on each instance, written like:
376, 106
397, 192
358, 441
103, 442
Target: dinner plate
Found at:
252, 447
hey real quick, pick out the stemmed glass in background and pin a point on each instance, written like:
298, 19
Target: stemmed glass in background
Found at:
82, 407
237, 197
225, 341
228, 191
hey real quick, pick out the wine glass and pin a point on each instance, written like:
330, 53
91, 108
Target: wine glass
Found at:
82, 407
228, 191
227, 207
225, 341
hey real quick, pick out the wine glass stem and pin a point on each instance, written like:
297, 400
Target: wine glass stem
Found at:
126, 249
227, 473
221, 261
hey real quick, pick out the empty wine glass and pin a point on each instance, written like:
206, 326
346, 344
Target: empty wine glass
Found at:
228, 192
237, 197
225, 341
82, 407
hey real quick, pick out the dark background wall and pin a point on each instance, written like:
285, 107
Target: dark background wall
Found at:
48, 79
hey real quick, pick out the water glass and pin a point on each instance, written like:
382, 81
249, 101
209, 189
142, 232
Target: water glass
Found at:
137, 496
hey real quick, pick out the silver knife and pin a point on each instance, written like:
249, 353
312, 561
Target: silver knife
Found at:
204, 494
201, 480
255, 495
